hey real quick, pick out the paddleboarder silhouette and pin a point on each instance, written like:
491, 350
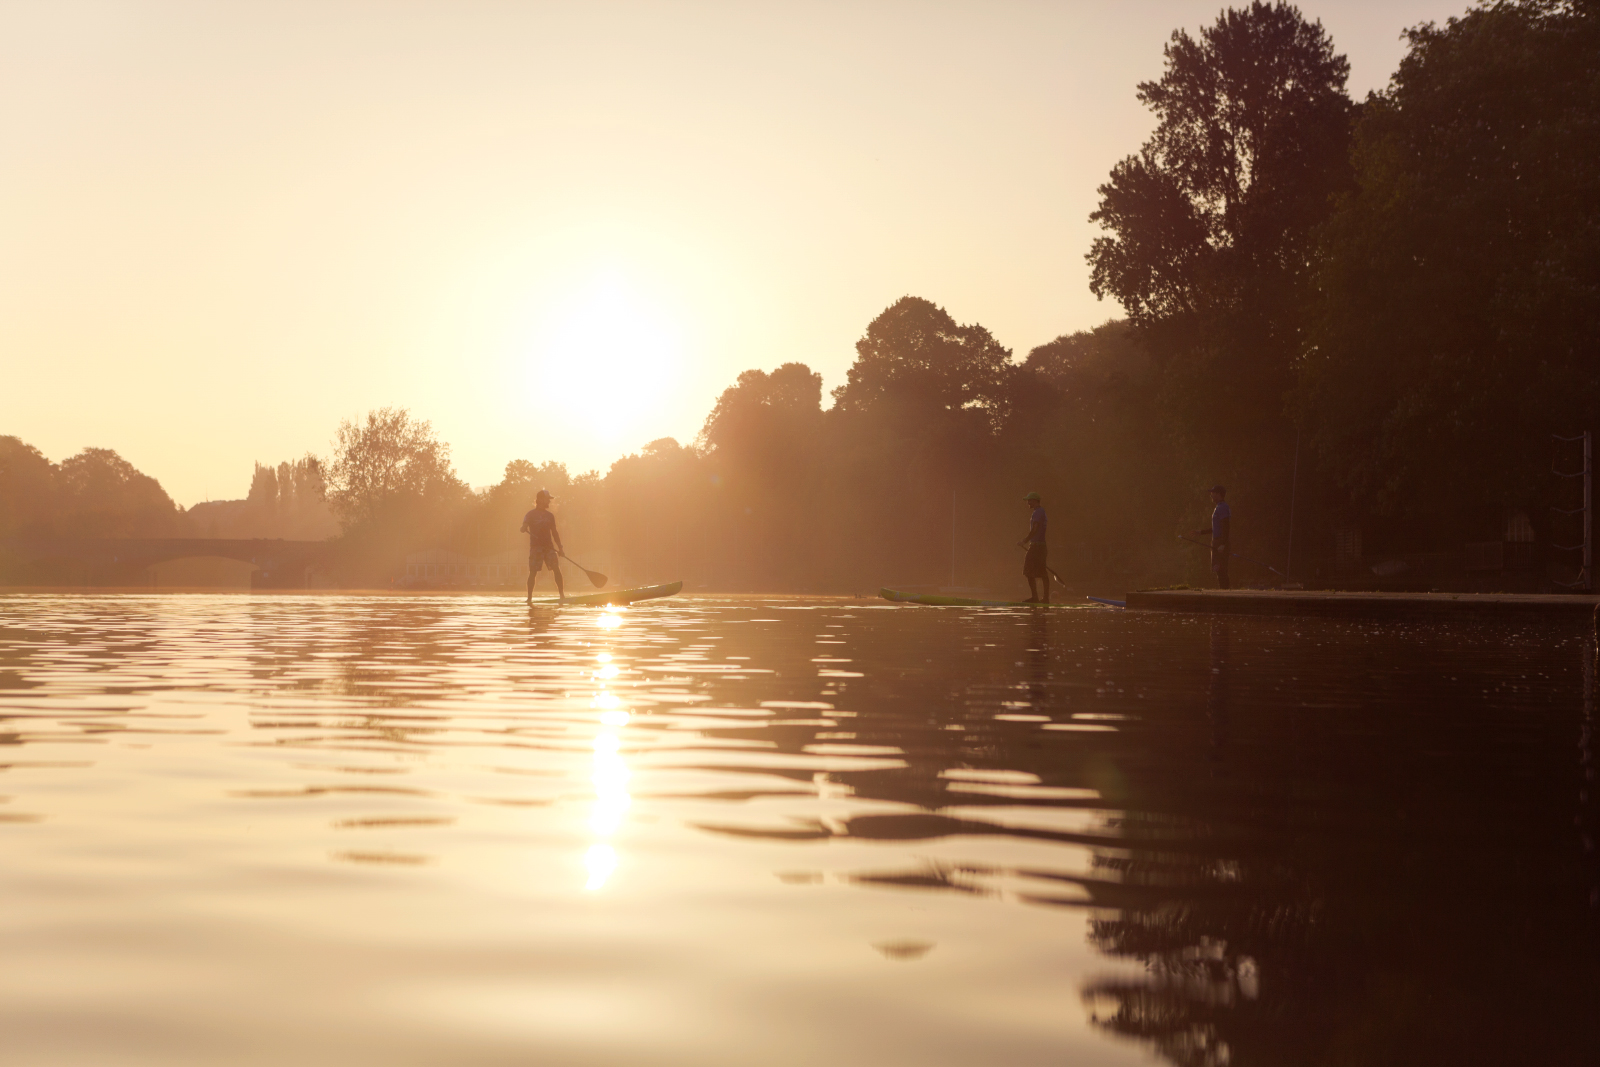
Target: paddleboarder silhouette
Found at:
544, 542
1221, 523
1034, 564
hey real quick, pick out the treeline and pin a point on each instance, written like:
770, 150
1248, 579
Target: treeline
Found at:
288, 501
95, 493
914, 475
1404, 291
1368, 315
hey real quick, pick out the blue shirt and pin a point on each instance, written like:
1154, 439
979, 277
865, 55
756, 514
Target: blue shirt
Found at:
1036, 528
541, 525
1220, 520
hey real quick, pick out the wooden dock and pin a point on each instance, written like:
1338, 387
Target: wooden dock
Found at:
1367, 605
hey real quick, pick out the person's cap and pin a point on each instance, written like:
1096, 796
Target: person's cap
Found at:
1218, 489
1032, 496
543, 493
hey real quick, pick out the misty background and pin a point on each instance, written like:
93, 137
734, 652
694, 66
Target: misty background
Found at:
1371, 313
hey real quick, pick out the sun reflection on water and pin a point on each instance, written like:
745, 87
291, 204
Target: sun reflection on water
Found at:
610, 772
599, 861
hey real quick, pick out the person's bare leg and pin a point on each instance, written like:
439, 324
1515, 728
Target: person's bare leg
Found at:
1044, 586
531, 574
561, 586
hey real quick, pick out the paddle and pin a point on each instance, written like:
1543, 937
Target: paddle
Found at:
596, 577
1235, 555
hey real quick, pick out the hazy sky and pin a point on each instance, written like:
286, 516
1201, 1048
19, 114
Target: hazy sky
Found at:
558, 230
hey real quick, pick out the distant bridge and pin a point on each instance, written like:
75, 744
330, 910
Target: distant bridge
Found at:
266, 563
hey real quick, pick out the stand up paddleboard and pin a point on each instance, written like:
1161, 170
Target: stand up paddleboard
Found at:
616, 596
962, 602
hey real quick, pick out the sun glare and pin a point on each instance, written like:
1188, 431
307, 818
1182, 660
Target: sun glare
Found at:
612, 352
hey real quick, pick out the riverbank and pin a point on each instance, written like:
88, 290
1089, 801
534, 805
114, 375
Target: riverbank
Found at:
1364, 605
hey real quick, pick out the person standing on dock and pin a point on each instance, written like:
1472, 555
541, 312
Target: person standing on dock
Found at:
1221, 517
544, 542
1035, 564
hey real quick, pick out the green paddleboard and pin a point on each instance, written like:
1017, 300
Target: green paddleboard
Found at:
962, 602
616, 596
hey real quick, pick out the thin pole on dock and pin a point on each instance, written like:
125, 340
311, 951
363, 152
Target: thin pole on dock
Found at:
952, 537
1294, 487
1585, 580
1588, 512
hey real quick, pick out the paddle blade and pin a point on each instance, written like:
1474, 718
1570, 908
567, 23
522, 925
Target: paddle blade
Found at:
596, 577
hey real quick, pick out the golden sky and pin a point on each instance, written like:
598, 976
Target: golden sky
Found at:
556, 230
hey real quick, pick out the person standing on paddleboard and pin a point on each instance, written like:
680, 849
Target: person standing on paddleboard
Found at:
1221, 520
1034, 564
543, 542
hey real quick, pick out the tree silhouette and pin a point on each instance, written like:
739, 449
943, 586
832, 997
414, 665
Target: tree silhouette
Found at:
1209, 247
103, 495
388, 464
1461, 280
27, 489
915, 355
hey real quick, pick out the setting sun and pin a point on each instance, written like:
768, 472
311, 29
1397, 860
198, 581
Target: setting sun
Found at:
606, 362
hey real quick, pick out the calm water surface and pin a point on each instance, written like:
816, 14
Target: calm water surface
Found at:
347, 830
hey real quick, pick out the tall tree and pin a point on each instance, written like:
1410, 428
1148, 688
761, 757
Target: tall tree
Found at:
915, 355
286, 499
915, 422
103, 495
391, 465
310, 484
27, 489
263, 495
1081, 430
758, 402
656, 509
1461, 279
763, 449
1209, 247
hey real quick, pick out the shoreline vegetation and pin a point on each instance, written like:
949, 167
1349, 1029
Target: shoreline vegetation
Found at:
1366, 318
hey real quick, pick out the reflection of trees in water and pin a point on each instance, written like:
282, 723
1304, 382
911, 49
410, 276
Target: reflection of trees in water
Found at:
1197, 943
1417, 959
1205, 946
1436, 916
1322, 851
1589, 803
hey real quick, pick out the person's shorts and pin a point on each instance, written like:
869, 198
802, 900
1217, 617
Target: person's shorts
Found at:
1033, 564
541, 557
